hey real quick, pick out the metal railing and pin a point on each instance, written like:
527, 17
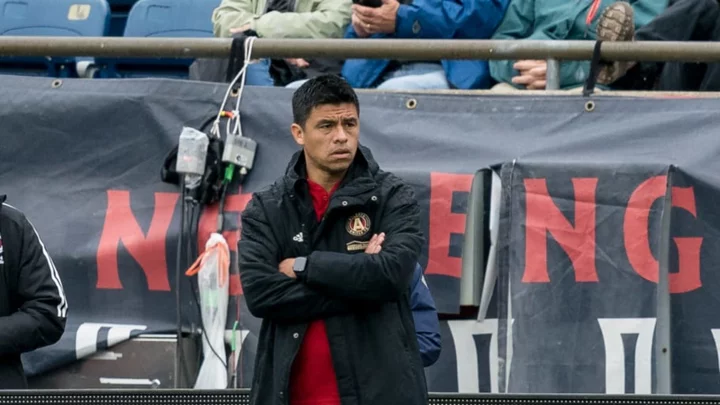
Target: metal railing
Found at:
397, 49
405, 49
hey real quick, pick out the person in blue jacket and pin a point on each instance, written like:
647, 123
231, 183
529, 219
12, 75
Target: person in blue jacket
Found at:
427, 325
423, 19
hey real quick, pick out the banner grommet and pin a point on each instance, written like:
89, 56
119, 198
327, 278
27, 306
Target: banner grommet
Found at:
590, 106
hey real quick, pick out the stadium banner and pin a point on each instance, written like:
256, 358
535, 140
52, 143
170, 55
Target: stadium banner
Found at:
576, 305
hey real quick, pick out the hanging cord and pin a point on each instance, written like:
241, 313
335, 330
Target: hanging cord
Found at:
595, 66
237, 130
215, 131
234, 120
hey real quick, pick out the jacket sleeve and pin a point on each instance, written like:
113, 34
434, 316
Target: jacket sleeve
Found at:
40, 320
427, 325
231, 14
469, 19
518, 23
328, 20
270, 294
380, 277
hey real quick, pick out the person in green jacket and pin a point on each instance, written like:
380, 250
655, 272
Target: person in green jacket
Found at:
300, 19
561, 20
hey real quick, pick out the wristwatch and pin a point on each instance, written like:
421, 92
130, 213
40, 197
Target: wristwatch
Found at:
299, 267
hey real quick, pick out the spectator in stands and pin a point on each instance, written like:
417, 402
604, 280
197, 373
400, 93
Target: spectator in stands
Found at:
326, 258
684, 20
562, 20
33, 308
422, 19
284, 19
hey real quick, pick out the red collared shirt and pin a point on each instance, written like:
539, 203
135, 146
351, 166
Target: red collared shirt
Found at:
313, 380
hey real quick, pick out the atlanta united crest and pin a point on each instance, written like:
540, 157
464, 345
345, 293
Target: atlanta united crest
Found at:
358, 224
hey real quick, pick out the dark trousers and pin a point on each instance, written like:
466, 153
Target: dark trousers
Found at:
683, 20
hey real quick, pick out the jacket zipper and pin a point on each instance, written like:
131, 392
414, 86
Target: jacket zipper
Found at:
305, 238
286, 398
591, 15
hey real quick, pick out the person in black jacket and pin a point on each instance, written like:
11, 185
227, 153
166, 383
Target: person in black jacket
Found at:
326, 258
33, 307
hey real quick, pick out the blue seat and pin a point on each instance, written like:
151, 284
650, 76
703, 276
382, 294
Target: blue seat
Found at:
119, 10
165, 19
69, 18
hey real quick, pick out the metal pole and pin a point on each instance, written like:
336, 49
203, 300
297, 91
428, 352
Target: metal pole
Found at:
663, 316
398, 49
552, 76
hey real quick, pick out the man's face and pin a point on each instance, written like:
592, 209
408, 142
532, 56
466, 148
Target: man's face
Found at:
330, 137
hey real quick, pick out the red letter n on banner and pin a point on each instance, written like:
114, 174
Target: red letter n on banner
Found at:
543, 217
148, 251
444, 222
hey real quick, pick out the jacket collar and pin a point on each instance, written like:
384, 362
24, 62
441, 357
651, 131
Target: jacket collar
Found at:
360, 175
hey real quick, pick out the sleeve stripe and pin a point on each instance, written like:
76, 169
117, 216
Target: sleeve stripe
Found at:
62, 307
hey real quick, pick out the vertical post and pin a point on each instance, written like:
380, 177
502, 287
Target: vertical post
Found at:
663, 359
553, 74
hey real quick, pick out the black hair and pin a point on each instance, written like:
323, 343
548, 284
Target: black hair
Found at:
321, 90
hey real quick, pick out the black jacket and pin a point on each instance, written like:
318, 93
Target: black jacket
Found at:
364, 299
33, 307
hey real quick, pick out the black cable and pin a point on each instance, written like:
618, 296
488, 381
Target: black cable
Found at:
179, 352
188, 233
221, 208
178, 271
189, 249
204, 333
194, 218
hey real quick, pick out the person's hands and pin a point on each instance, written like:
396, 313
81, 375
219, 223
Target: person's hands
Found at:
380, 20
286, 267
532, 74
359, 27
375, 245
298, 62
240, 29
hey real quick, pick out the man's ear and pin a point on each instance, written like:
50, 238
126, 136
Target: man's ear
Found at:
298, 134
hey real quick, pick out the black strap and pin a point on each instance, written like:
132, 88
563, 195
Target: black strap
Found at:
595, 65
237, 57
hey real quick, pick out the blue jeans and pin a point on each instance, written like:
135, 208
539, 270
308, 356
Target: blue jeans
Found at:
411, 76
258, 74
296, 84
415, 76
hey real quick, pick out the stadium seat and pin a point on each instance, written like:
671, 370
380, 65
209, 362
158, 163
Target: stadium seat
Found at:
119, 10
161, 18
86, 18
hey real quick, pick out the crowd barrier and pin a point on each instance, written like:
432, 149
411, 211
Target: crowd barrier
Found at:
405, 49
242, 397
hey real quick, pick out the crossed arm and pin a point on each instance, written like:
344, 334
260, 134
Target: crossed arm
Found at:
334, 283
